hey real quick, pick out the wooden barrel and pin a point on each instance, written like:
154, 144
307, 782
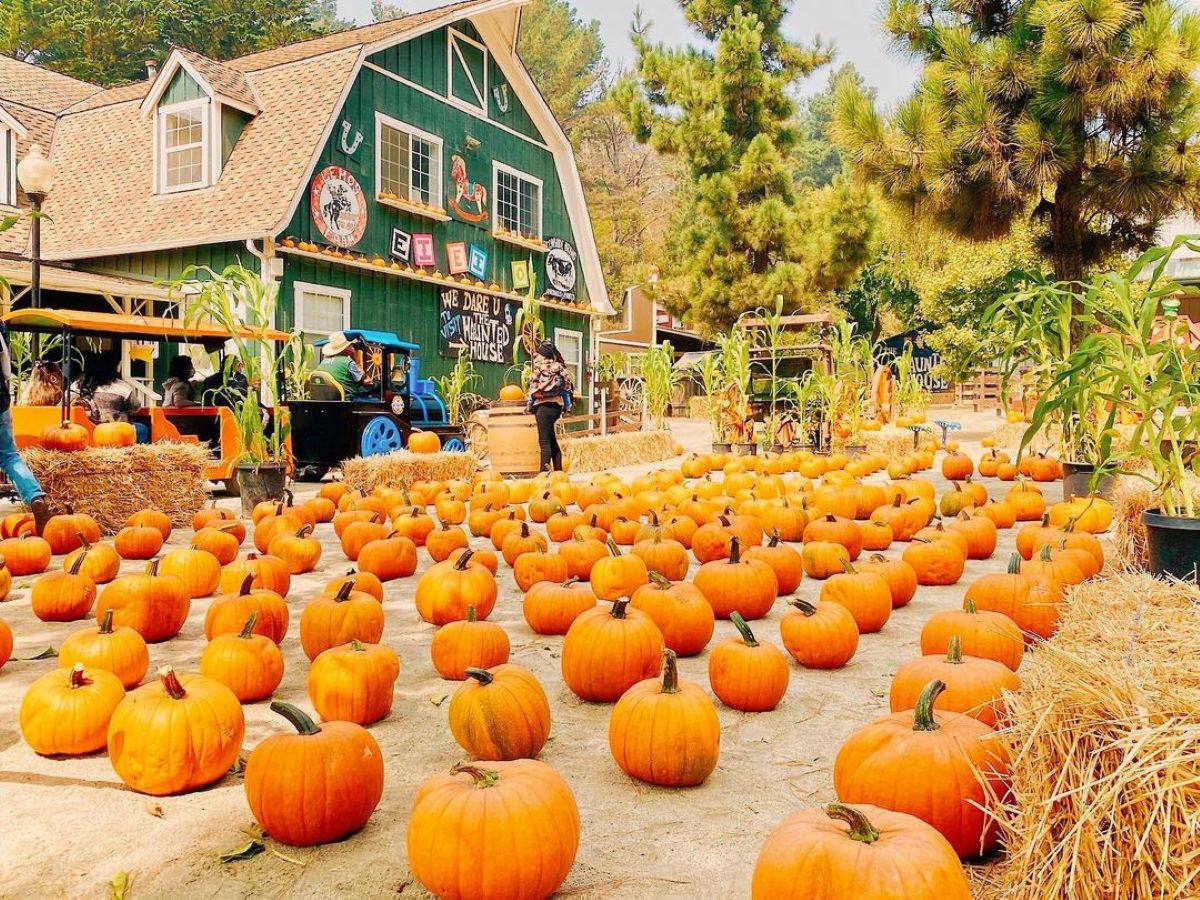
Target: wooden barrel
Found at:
512, 439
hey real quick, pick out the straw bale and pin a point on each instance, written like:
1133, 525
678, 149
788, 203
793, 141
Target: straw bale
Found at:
402, 468
602, 452
1131, 497
112, 483
889, 440
1104, 738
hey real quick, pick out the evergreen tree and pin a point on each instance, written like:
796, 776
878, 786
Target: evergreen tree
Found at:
1083, 112
817, 159
746, 232
564, 56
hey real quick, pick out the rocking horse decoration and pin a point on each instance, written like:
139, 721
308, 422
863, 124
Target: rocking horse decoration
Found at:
469, 200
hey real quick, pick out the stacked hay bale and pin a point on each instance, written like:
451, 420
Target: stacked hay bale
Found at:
1105, 744
600, 453
402, 468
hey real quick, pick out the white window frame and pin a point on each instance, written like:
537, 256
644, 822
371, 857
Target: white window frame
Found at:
453, 36
559, 334
8, 167
300, 288
435, 175
497, 168
207, 135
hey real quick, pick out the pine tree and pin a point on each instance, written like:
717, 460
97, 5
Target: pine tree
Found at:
1083, 112
747, 232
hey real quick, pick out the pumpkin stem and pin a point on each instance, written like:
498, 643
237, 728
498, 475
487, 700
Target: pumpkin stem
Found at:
483, 676
954, 652
79, 558
246, 583
357, 646
484, 778
803, 605
524, 529
463, 559
106, 622
248, 629
618, 607
861, 828
83, 541
970, 607
170, 682
1044, 556
661, 580
305, 531
774, 542
343, 593
670, 679
612, 546
152, 568
298, 717
743, 629
735, 549
1014, 564
77, 679
923, 714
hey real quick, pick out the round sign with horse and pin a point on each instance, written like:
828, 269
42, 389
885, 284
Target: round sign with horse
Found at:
338, 206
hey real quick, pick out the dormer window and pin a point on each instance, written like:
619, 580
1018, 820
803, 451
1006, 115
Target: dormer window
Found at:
183, 146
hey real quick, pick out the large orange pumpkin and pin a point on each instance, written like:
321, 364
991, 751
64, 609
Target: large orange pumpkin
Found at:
199, 570
607, 650
681, 612
67, 437
187, 711
936, 562
25, 555
500, 713
747, 674
353, 682
389, 558
331, 620
865, 594
248, 664
458, 816
63, 596
550, 608
974, 686
315, 786
747, 586
448, 589
153, 605
68, 531
982, 633
924, 762
121, 651
1032, 603
616, 576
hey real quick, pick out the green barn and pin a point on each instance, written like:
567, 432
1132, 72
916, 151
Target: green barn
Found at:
405, 176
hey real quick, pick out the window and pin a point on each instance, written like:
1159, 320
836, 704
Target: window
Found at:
570, 345
183, 146
409, 162
467, 66
8, 167
320, 310
518, 202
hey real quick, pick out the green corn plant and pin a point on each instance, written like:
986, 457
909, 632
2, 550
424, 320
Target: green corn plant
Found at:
710, 375
659, 379
455, 384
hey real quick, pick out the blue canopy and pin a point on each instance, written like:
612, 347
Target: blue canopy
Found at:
385, 339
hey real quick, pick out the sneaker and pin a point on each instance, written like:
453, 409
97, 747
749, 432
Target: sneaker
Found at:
41, 513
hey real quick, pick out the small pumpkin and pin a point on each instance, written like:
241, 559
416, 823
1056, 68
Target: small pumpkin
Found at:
936, 562
67, 531
865, 595
221, 541
746, 674
175, 711
267, 572
100, 562
63, 596
1031, 602
616, 576
448, 589
530, 568
738, 584
424, 442
981, 633
899, 575
353, 682
315, 786
199, 570
468, 643
582, 552
330, 620
607, 650
66, 437
681, 612
247, 663
389, 558
444, 540
138, 542
836, 530
667, 557
974, 686
300, 551
500, 713
153, 605
821, 559
980, 533
151, 518
121, 651
25, 555
654, 719
824, 636
360, 581
786, 562
66, 713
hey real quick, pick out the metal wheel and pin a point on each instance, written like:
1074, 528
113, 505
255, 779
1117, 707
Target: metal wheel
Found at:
629, 394
382, 435
454, 445
476, 432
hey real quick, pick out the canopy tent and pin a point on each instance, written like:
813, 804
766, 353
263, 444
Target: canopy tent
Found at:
116, 325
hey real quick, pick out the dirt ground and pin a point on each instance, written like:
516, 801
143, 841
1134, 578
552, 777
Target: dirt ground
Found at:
70, 826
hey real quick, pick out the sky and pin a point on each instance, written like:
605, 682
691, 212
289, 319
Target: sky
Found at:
852, 26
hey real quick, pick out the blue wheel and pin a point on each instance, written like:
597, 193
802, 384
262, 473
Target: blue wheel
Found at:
381, 435
454, 445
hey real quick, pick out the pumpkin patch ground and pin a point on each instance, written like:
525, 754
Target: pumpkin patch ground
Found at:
71, 825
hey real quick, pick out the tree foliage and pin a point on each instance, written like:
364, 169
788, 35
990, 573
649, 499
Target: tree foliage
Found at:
1083, 111
565, 57
746, 232
817, 159
108, 41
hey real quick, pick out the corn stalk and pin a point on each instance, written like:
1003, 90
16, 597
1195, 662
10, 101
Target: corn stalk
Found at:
658, 381
454, 385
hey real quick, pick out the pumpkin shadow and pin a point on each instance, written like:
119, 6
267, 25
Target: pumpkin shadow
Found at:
57, 780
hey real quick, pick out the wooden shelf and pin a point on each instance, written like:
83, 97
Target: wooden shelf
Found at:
396, 270
517, 241
436, 215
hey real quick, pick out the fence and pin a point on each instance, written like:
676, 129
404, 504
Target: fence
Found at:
604, 420
982, 391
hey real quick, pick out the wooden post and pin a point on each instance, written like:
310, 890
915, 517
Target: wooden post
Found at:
603, 411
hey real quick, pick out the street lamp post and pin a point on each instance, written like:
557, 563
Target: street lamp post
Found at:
36, 176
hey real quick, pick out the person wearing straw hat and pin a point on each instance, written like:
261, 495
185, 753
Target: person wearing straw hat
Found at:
338, 361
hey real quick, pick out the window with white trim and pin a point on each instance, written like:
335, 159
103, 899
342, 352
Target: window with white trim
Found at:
408, 162
570, 345
8, 167
319, 310
183, 146
518, 203
467, 70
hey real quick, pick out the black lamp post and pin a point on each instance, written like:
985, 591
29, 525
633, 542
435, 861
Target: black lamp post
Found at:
36, 176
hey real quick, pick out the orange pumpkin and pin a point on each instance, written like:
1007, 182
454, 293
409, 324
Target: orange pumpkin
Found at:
138, 542
974, 686
469, 643
1060, 568
247, 663
424, 442
121, 651
63, 596
607, 650
268, 572
6, 643
786, 562
746, 674
330, 620
66, 713
681, 612
359, 581
899, 575
449, 589
152, 518
667, 557
153, 605
550, 608
353, 682
389, 558
199, 570
957, 466
616, 576
67, 437
227, 613
1032, 603
824, 636
746, 586
220, 541
500, 713
937, 562
865, 594
68, 531
824, 558
530, 568
300, 552
981, 633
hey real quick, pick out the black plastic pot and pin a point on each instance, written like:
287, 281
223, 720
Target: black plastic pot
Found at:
1173, 544
720, 447
853, 450
259, 483
746, 449
1077, 481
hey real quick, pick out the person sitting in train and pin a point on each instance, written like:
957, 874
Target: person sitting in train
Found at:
177, 389
339, 362
105, 395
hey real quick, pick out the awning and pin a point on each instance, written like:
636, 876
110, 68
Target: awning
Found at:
74, 281
122, 326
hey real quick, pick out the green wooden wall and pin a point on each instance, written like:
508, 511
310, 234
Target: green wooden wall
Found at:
167, 265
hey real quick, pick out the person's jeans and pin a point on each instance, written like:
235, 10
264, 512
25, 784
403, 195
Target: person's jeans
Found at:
142, 430
546, 415
10, 460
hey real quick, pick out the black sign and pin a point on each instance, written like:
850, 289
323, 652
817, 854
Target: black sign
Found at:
561, 263
401, 245
924, 358
479, 323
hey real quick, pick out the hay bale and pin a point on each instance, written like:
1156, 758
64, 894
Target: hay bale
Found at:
402, 468
1105, 748
1130, 498
601, 452
889, 440
112, 483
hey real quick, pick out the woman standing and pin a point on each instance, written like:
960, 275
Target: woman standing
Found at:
550, 391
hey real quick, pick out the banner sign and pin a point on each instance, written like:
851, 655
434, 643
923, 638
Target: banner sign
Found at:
477, 322
924, 358
561, 261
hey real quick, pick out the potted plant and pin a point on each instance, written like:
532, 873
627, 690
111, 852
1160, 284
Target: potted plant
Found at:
1148, 374
659, 379
237, 300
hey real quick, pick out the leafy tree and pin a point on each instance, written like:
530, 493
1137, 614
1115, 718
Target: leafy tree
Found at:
382, 11
324, 14
817, 158
565, 57
108, 41
1083, 111
745, 232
